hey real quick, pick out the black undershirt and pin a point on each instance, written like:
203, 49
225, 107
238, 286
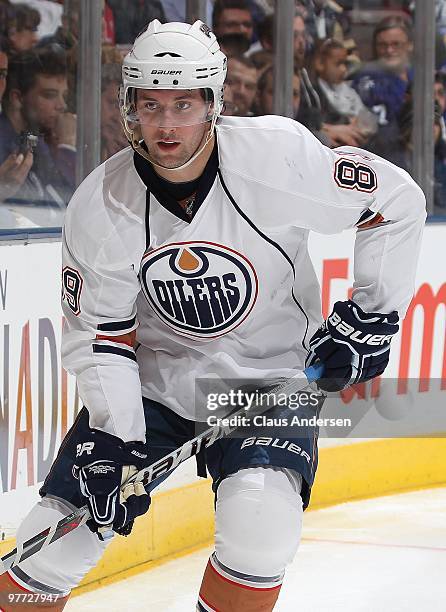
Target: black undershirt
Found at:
179, 191
169, 194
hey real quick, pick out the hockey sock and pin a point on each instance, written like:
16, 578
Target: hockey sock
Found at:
224, 590
15, 597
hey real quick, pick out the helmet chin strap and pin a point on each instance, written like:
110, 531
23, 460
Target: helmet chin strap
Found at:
136, 146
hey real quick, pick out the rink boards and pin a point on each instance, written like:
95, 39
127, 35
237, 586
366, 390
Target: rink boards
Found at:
38, 402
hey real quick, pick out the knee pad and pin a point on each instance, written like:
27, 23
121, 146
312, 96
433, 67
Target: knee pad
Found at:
63, 564
258, 520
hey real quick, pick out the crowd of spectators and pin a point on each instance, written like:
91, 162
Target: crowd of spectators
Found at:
344, 93
342, 97
37, 130
323, 98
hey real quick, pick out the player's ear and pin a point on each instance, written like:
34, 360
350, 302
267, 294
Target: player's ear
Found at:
211, 106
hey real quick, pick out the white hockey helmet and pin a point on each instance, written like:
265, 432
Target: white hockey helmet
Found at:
172, 56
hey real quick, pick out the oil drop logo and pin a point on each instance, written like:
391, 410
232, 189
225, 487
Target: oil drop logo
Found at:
200, 289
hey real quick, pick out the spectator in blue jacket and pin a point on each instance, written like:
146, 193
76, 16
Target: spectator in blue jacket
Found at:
383, 84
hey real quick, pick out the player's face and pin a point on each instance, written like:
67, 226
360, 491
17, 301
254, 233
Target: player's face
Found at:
393, 48
333, 68
170, 145
44, 103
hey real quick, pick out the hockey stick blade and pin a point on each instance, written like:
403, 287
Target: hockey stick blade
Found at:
150, 473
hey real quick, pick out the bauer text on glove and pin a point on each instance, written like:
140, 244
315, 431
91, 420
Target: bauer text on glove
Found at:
353, 345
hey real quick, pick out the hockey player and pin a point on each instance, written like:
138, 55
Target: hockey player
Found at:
185, 256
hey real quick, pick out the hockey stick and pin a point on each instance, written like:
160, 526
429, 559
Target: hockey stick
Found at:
152, 472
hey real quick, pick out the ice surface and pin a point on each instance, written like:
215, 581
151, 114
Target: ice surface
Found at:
386, 554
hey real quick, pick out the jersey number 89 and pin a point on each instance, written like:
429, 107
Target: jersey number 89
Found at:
354, 175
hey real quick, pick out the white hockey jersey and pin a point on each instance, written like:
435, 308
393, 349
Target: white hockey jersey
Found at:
232, 292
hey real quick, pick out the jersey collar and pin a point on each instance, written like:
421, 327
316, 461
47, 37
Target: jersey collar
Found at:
155, 185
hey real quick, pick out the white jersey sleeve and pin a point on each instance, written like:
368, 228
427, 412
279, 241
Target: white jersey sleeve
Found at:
389, 229
101, 241
305, 184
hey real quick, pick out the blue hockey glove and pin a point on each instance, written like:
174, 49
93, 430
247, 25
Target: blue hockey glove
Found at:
103, 463
354, 346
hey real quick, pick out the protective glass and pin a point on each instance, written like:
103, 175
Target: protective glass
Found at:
161, 108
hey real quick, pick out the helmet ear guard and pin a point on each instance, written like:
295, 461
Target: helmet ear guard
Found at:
124, 108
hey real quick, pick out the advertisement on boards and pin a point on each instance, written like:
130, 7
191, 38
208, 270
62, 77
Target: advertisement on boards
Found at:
39, 401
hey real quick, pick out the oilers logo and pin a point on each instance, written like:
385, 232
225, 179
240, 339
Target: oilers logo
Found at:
200, 289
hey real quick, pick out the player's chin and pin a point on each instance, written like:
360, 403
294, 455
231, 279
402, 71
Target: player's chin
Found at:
170, 162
